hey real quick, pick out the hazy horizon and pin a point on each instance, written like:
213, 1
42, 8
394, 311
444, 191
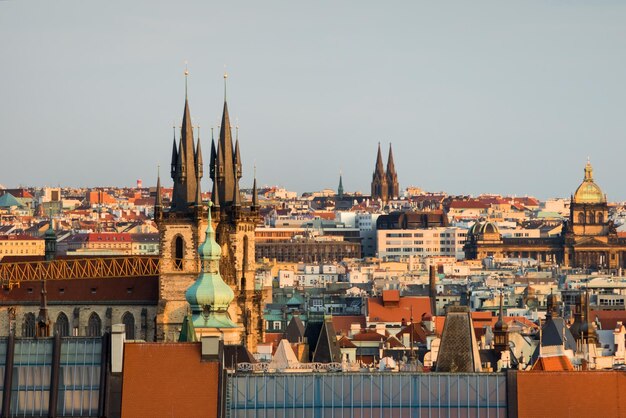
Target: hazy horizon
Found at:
481, 97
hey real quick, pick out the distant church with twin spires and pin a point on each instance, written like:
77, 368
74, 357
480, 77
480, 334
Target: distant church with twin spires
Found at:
385, 184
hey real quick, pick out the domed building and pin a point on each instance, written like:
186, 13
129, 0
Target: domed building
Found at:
589, 239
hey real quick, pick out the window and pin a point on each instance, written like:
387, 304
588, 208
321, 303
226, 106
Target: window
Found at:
600, 218
129, 325
94, 326
62, 325
179, 246
29, 329
276, 325
581, 218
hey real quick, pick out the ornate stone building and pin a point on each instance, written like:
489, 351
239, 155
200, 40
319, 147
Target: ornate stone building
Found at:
589, 239
182, 227
385, 183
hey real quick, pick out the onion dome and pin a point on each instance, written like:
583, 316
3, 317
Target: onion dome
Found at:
589, 191
210, 297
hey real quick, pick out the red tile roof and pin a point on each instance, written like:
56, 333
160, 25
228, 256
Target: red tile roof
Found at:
553, 364
609, 319
344, 342
377, 312
342, 323
148, 367
467, 204
391, 296
62, 292
368, 335
483, 319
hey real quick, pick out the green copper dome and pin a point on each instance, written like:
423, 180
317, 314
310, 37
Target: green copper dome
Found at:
589, 191
210, 297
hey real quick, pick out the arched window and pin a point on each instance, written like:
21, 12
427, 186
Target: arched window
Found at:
94, 326
29, 325
581, 218
129, 325
600, 218
63, 325
590, 218
179, 247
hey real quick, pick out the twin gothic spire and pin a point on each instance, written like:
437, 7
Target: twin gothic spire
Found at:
385, 184
187, 165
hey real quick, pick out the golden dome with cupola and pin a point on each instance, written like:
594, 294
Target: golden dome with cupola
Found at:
589, 192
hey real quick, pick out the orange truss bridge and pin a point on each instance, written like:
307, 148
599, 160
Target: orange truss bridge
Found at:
13, 274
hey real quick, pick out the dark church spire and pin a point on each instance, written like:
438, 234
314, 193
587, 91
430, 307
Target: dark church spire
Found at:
213, 158
255, 194
237, 158
340, 188
392, 177
215, 195
379, 179
174, 156
186, 171
158, 202
500, 330
227, 173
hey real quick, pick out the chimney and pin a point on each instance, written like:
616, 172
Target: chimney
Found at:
118, 336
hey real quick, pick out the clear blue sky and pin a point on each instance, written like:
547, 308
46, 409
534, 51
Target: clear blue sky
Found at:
499, 97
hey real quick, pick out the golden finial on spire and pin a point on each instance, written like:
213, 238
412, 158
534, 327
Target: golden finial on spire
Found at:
186, 75
225, 77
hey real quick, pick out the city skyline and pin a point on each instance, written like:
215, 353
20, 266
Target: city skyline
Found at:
513, 106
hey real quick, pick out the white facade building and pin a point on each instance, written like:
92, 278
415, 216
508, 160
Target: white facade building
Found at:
394, 244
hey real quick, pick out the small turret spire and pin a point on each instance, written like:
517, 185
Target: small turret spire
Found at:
158, 203
255, 194
237, 159
213, 158
198, 158
174, 155
236, 194
340, 188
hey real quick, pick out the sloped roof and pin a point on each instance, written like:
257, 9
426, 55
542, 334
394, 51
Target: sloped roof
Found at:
284, 357
295, 330
609, 319
345, 342
7, 200
553, 364
342, 323
379, 313
235, 354
327, 349
458, 351
416, 331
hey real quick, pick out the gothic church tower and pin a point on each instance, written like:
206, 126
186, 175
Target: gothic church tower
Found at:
181, 230
236, 222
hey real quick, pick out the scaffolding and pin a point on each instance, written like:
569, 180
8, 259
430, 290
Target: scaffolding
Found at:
13, 274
